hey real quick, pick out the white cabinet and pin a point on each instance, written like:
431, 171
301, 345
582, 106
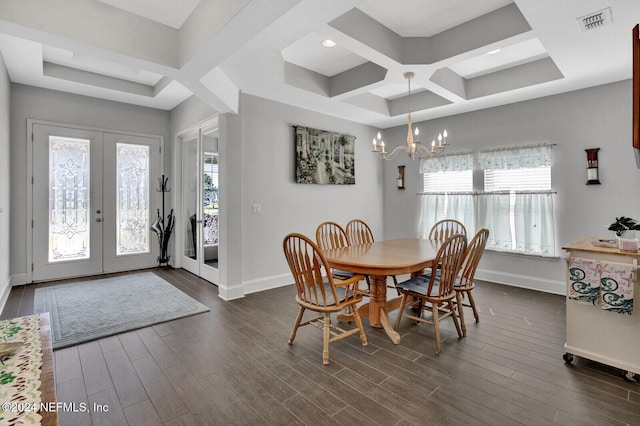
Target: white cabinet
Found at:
594, 333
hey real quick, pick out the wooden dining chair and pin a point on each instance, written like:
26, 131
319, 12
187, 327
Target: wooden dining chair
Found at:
330, 235
465, 282
358, 232
435, 292
445, 228
317, 291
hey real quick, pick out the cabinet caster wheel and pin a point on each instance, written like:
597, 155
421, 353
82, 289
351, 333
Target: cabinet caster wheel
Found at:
631, 377
568, 358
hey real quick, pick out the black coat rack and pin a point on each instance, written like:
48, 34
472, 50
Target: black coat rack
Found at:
160, 227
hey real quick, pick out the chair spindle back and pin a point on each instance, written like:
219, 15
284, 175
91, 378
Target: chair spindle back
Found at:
330, 235
449, 257
446, 228
472, 257
358, 232
308, 266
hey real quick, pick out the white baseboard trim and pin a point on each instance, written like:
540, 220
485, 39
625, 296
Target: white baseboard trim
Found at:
514, 280
230, 293
18, 279
261, 284
523, 281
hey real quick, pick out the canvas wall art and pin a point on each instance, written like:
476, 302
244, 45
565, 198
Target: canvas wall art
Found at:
324, 157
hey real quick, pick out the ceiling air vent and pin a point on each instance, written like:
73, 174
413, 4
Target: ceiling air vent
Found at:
595, 20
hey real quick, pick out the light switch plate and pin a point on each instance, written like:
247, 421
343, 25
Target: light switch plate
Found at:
256, 208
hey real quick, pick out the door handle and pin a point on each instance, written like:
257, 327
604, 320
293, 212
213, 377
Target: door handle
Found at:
99, 219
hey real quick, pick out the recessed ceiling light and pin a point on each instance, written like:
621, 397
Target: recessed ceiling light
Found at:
328, 43
493, 52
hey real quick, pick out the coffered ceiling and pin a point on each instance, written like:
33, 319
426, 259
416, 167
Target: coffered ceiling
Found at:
466, 54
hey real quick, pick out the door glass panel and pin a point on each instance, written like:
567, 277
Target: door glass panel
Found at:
132, 199
68, 199
190, 196
210, 198
210, 193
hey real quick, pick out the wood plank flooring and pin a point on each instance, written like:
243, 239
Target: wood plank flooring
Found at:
233, 365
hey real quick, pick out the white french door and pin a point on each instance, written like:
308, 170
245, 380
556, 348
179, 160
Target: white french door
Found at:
131, 201
93, 202
199, 202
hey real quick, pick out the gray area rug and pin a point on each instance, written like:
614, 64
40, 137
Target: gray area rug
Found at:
90, 310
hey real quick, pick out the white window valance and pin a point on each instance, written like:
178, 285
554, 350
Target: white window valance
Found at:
447, 163
515, 158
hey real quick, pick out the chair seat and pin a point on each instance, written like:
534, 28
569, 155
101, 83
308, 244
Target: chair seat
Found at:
428, 274
456, 286
339, 273
340, 291
420, 285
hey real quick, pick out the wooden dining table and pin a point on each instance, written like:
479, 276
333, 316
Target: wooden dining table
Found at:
379, 260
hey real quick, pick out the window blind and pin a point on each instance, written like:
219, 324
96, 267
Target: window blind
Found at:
448, 181
536, 178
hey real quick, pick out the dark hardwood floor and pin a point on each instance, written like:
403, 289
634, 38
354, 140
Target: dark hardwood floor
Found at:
233, 365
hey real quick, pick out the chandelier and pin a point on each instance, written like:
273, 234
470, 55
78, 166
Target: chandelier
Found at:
413, 146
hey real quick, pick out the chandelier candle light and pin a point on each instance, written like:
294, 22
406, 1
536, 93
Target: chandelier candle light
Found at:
413, 146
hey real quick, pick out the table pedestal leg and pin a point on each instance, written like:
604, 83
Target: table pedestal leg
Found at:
378, 313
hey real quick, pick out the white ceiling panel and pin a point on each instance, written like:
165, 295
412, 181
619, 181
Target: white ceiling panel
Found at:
309, 53
510, 56
97, 65
424, 18
172, 13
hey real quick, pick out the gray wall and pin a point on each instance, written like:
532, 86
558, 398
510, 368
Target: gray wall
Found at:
5, 181
187, 114
266, 143
42, 104
257, 167
598, 117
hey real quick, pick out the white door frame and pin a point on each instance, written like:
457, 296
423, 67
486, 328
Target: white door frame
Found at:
189, 133
181, 227
29, 169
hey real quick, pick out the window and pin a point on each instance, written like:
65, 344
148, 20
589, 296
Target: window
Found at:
449, 181
446, 182
516, 204
518, 185
513, 180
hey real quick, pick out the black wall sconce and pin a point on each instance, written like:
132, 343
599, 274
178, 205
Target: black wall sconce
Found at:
400, 179
592, 166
